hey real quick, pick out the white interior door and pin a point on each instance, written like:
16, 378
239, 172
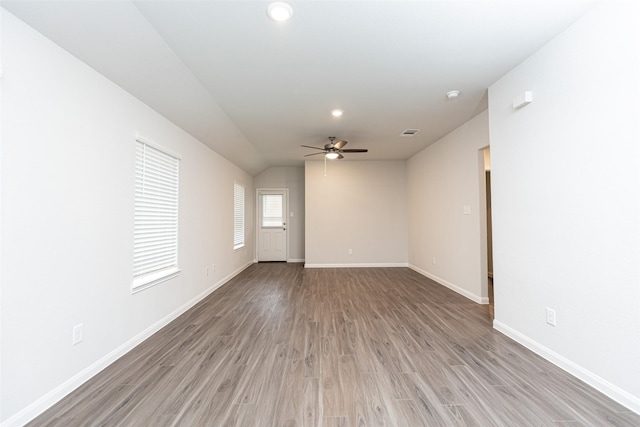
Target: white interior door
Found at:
272, 225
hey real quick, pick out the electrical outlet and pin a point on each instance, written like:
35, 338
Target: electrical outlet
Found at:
214, 268
434, 261
350, 251
206, 271
551, 316
77, 334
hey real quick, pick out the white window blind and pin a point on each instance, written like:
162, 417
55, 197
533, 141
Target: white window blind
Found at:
155, 242
272, 210
238, 216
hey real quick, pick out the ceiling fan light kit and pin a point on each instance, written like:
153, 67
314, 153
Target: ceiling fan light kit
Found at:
334, 150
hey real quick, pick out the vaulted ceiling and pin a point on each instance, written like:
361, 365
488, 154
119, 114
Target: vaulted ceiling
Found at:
254, 89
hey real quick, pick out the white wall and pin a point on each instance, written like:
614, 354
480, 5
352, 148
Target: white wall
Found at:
443, 179
566, 197
359, 205
67, 222
291, 177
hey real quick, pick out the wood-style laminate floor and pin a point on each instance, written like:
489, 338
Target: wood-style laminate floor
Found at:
280, 345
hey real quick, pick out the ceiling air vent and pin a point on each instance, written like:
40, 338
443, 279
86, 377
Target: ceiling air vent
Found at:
409, 132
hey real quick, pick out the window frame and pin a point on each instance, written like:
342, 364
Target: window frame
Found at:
265, 198
239, 243
166, 175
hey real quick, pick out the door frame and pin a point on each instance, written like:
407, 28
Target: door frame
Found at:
483, 163
258, 216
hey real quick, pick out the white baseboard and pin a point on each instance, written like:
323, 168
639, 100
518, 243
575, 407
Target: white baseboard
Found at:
295, 260
473, 297
48, 400
622, 397
358, 265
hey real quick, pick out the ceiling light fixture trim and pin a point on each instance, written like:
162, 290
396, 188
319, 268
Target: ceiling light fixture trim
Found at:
279, 11
453, 94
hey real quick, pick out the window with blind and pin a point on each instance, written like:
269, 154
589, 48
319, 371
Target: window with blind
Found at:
238, 216
272, 210
155, 241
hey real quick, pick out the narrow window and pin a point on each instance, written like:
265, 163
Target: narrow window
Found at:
272, 210
238, 216
155, 241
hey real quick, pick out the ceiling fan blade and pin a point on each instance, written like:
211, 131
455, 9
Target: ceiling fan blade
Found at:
355, 150
340, 144
316, 148
314, 154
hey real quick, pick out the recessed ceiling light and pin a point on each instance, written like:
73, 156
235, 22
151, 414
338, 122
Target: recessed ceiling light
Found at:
453, 94
337, 113
279, 11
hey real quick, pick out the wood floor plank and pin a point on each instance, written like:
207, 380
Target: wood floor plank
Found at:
312, 351
288, 400
379, 409
335, 422
363, 351
332, 390
352, 390
280, 345
212, 390
273, 367
426, 400
297, 337
407, 413
342, 333
312, 409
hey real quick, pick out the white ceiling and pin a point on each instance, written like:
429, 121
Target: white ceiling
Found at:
387, 64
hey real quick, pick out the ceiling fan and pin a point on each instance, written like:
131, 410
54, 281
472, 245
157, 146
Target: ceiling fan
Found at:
334, 150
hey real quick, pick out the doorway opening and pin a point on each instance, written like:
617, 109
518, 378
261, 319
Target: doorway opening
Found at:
487, 226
